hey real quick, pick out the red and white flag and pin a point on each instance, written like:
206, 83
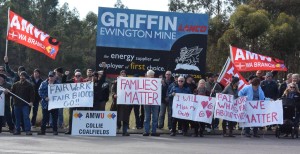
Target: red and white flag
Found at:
23, 32
246, 61
228, 71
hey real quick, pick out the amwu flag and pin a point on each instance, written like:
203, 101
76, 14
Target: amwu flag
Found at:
23, 32
248, 61
228, 71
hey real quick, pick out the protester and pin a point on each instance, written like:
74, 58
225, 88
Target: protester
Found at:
175, 83
36, 80
43, 92
151, 110
24, 90
180, 88
231, 89
101, 90
136, 110
284, 85
7, 112
296, 79
292, 93
253, 93
201, 90
89, 75
122, 110
269, 86
76, 79
165, 101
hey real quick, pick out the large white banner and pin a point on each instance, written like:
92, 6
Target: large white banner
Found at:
71, 95
263, 113
142, 91
230, 109
2, 103
94, 123
193, 107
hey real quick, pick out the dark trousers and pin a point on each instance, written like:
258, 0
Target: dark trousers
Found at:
99, 106
181, 122
8, 118
46, 116
136, 109
231, 124
142, 115
34, 112
255, 130
196, 126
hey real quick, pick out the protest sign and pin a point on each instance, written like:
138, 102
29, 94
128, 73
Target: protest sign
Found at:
228, 108
193, 107
142, 91
2, 103
94, 123
71, 95
263, 113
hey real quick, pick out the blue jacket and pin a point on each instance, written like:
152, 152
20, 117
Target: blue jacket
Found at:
248, 91
43, 92
176, 89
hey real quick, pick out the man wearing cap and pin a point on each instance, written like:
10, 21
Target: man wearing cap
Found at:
7, 111
101, 89
24, 90
36, 81
43, 92
270, 86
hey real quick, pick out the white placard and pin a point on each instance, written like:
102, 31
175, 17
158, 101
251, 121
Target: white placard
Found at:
71, 95
142, 91
94, 123
2, 103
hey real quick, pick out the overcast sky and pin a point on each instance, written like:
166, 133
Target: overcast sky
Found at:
85, 6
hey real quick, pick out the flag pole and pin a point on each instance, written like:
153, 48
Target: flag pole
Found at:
7, 28
2, 88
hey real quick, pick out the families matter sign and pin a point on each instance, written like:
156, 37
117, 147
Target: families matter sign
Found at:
193, 107
142, 91
228, 108
71, 95
94, 123
140, 40
263, 113
2, 103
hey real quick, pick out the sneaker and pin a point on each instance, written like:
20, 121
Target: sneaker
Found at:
201, 135
146, 134
55, 133
155, 134
125, 134
173, 134
17, 133
170, 129
68, 133
179, 131
28, 133
11, 131
208, 130
41, 133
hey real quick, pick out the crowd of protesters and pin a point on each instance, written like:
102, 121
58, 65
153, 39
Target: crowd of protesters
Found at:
32, 92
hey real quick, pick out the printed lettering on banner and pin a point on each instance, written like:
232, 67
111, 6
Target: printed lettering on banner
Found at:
263, 113
94, 123
193, 107
71, 95
228, 108
142, 91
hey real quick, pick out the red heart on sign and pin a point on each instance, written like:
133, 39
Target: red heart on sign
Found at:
204, 104
208, 113
209, 98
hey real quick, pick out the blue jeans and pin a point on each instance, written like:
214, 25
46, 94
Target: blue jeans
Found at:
19, 111
163, 108
151, 109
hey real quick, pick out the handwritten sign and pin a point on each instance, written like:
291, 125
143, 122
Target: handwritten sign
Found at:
193, 107
263, 113
94, 123
231, 109
143, 91
2, 103
71, 95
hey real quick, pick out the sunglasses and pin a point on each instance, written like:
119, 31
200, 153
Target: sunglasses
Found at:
293, 87
180, 81
77, 75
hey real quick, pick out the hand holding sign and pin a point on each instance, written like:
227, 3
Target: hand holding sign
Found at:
5, 59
